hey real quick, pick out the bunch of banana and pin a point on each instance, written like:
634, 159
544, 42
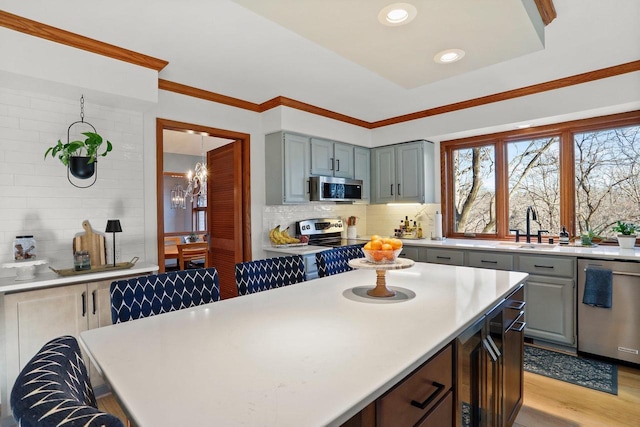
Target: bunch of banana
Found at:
281, 237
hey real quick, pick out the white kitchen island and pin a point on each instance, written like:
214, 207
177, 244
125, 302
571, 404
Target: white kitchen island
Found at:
309, 354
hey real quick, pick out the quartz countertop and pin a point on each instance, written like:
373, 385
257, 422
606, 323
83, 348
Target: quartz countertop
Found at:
598, 252
49, 278
312, 354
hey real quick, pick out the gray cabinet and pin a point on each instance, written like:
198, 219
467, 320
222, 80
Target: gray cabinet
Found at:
493, 260
403, 173
550, 294
287, 166
445, 256
330, 158
362, 169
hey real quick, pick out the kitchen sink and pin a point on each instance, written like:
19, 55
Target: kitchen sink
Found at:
539, 246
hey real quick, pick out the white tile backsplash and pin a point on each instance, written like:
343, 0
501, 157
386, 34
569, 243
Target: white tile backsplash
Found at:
35, 196
371, 219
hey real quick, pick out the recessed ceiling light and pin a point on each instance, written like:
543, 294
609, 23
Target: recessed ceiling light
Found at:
524, 126
397, 14
448, 56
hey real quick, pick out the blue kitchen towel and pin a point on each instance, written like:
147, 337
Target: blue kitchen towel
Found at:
598, 287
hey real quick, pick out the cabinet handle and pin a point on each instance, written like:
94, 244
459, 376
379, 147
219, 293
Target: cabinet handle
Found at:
543, 266
93, 301
398, 189
439, 388
517, 321
487, 347
332, 164
392, 189
338, 162
84, 304
520, 327
484, 261
443, 257
516, 305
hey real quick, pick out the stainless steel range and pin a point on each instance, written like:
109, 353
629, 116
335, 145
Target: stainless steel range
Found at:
323, 231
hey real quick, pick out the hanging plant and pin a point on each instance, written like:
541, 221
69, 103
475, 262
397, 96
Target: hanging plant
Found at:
80, 156
88, 148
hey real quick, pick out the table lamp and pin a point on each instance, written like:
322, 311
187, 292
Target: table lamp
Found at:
113, 226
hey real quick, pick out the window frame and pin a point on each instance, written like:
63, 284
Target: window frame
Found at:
564, 131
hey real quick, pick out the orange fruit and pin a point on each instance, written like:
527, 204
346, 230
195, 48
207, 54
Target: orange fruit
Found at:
377, 255
367, 246
389, 255
375, 237
396, 243
386, 247
376, 245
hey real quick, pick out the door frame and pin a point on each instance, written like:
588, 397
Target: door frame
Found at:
245, 140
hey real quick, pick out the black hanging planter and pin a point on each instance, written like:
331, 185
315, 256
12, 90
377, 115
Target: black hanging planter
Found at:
80, 168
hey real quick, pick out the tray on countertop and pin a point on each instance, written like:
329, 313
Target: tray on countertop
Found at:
290, 245
97, 269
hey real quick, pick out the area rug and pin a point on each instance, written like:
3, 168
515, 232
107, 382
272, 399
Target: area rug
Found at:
601, 376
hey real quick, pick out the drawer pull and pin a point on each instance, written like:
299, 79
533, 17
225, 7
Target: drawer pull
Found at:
84, 304
93, 301
516, 305
488, 262
517, 322
443, 257
439, 388
521, 326
543, 266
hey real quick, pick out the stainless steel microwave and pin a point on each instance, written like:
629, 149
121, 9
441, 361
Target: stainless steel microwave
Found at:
331, 189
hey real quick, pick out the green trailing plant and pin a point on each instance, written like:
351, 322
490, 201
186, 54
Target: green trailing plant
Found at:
624, 228
89, 147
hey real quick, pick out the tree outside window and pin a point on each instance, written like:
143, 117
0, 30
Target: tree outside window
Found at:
607, 179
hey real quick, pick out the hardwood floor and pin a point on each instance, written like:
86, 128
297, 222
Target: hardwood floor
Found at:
554, 403
551, 403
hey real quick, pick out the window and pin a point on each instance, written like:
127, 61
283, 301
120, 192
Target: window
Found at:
584, 175
474, 189
534, 180
607, 179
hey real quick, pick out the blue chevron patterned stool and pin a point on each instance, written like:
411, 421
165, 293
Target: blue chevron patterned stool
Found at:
265, 274
53, 389
336, 260
156, 294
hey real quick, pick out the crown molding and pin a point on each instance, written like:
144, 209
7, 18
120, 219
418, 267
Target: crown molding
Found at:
57, 35
44, 31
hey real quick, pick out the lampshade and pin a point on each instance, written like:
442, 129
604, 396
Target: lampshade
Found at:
113, 226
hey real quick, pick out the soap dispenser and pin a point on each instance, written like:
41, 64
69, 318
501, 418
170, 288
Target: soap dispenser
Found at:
564, 236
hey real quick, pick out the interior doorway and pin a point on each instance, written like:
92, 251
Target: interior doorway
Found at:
237, 242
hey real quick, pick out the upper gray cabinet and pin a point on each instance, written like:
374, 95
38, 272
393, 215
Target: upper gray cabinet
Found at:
362, 169
287, 165
330, 158
403, 173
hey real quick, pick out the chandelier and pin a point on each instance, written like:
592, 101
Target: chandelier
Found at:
197, 188
178, 197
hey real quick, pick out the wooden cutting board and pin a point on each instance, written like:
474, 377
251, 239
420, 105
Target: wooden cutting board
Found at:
92, 242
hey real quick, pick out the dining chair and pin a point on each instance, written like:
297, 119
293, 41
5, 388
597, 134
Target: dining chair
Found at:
264, 274
172, 263
54, 389
336, 260
193, 255
161, 293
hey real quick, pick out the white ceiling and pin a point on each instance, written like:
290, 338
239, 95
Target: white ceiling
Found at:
342, 65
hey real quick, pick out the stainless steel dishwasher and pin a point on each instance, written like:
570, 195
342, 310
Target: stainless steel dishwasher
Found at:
612, 332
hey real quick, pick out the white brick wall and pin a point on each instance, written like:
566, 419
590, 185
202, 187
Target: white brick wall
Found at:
35, 196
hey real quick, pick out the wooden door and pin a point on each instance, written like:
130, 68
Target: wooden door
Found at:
224, 213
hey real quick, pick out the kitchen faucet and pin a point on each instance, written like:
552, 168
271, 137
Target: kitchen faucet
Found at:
531, 215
